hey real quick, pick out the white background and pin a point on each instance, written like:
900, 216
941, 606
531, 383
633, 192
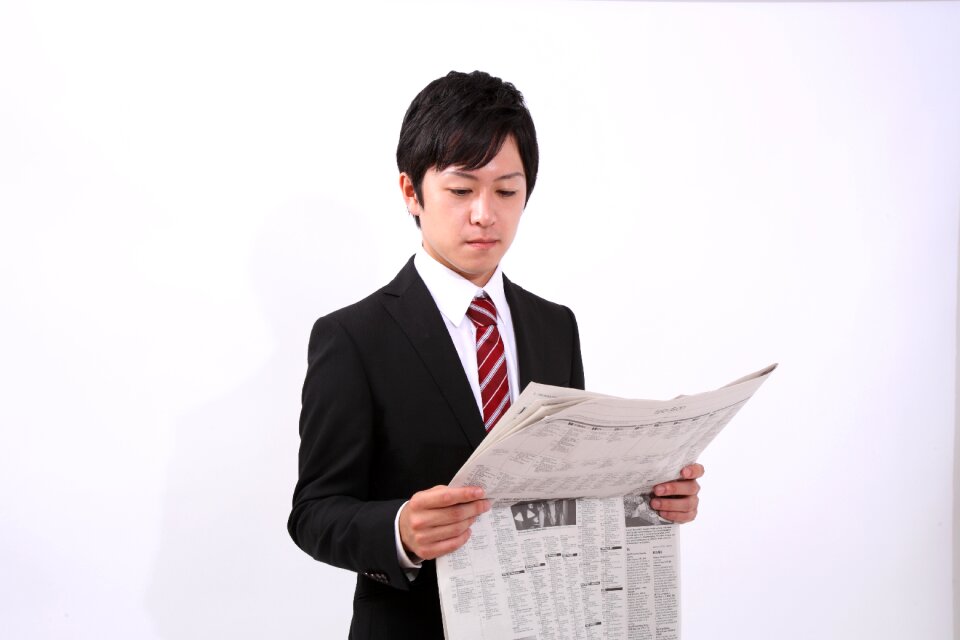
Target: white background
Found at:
185, 186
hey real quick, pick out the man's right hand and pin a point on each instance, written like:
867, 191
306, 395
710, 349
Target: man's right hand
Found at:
437, 521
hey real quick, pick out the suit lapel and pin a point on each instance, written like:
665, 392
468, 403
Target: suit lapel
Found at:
526, 324
409, 302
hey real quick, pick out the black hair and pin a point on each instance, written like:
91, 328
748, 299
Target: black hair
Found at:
463, 119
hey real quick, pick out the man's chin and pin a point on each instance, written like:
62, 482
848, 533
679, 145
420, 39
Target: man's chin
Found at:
477, 273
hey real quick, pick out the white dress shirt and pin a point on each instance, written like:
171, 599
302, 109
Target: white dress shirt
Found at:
453, 294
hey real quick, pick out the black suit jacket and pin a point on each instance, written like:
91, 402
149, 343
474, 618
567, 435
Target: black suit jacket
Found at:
388, 411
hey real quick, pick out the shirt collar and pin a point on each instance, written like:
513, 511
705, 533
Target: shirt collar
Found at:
452, 292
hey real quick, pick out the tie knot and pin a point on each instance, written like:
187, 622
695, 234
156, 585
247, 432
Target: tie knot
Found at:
482, 311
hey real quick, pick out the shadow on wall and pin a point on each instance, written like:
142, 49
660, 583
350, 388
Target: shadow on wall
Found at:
226, 566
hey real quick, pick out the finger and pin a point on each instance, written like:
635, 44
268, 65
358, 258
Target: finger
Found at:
435, 550
457, 513
443, 496
677, 488
692, 471
434, 535
416, 518
678, 517
676, 504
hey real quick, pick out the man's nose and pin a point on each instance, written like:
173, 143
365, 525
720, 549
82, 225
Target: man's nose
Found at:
483, 213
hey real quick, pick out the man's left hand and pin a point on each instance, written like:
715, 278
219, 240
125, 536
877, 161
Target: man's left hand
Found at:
677, 500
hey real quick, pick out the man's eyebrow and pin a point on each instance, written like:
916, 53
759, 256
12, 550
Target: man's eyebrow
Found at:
462, 174
470, 176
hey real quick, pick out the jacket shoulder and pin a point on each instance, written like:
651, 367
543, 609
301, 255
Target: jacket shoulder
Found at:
518, 295
371, 310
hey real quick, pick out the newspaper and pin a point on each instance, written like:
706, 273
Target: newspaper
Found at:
571, 548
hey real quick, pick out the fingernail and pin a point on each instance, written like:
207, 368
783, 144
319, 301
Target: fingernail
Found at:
659, 491
686, 473
478, 492
655, 504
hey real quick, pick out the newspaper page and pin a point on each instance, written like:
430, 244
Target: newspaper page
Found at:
571, 548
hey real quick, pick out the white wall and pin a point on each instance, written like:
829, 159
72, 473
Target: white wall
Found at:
956, 484
185, 186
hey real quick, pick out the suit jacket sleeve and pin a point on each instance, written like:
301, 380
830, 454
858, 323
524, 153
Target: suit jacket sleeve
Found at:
333, 517
576, 363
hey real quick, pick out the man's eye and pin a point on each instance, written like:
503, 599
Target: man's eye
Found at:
460, 192
507, 194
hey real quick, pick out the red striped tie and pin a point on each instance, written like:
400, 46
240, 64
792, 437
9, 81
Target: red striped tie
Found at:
491, 361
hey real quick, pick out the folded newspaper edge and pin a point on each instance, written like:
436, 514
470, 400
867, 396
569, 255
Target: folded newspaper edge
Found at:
572, 548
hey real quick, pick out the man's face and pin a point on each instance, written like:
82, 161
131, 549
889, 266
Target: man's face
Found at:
469, 218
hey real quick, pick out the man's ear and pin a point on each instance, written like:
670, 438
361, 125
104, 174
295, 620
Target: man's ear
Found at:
409, 195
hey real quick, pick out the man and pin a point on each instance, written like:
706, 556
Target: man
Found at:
403, 385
